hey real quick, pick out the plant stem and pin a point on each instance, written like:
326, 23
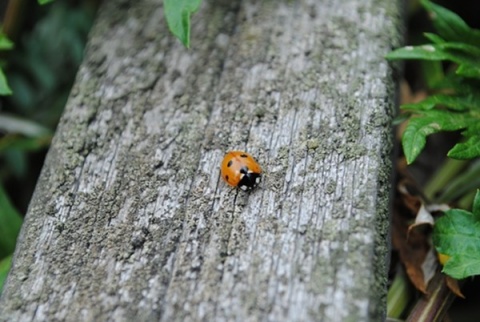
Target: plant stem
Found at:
467, 200
444, 175
398, 295
434, 306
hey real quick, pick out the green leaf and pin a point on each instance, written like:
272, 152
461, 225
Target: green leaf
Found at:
466, 150
468, 70
436, 39
4, 88
454, 102
42, 2
461, 54
5, 264
5, 43
450, 26
470, 148
457, 234
467, 49
426, 52
429, 122
178, 14
10, 223
454, 41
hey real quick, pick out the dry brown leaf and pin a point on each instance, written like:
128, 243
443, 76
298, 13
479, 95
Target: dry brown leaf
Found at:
410, 200
423, 217
430, 266
412, 252
452, 284
412, 224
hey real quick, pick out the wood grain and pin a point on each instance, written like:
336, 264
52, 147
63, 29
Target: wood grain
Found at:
130, 219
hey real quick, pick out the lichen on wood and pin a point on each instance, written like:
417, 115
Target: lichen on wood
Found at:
130, 218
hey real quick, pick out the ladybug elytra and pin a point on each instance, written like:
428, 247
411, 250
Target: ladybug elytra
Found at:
239, 169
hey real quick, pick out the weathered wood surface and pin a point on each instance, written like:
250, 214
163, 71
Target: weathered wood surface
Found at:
130, 220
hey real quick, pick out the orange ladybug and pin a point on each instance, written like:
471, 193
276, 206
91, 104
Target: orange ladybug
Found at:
239, 169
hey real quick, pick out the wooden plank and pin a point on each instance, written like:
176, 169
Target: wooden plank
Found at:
130, 219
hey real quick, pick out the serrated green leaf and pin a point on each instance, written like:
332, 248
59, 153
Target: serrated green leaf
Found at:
427, 123
469, 64
466, 150
450, 26
426, 52
470, 148
5, 264
178, 14
469, 70
454, 102
436, 39
462, 266
10, 223
4, 88
458, 109
467, 49
457, 234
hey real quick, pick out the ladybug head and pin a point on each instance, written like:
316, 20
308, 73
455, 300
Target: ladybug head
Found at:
249, 179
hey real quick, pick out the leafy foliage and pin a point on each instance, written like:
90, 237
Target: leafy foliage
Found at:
461, 185
10, 223
4, 268
40, 71
457, 235
177, 13
5, 44
456, 105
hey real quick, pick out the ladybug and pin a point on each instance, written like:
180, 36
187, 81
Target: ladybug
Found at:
239, 169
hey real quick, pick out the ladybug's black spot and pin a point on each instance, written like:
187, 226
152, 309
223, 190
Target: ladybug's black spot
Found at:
229, 163
244, 170
243, 156
226, 177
